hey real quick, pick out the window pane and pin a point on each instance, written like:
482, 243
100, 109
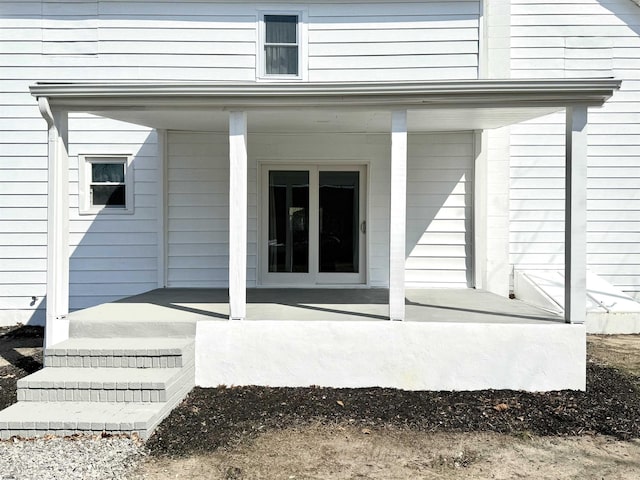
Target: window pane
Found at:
339, 221
108, 195
281, 28
281, 60
107, 172
289, 221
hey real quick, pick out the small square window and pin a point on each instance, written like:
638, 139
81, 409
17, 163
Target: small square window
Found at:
105, 184
281, 45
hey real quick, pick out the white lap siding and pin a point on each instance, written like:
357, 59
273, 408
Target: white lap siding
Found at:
23, 202
582, 38
439, 210
112, 256
198, 210
430, 40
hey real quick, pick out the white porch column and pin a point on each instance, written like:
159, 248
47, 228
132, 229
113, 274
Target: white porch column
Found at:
398, 214
237, 215
575, 260
57, 325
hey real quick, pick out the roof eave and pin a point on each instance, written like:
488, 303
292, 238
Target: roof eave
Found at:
466, 93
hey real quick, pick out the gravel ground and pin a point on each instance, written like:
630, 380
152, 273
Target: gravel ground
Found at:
211, 419
68, 459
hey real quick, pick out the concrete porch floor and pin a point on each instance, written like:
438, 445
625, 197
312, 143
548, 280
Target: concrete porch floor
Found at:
432, 305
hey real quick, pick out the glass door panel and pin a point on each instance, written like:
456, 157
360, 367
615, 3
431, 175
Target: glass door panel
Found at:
288, 237
339, 204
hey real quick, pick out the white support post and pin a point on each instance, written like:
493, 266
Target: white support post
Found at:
237, 215
480, 209
57, 325
398, 215
162, 208
575, 260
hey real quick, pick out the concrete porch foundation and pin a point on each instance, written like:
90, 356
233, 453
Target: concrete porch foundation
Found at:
451, 340
405, 355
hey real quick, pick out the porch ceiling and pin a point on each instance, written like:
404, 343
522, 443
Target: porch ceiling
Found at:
329, 107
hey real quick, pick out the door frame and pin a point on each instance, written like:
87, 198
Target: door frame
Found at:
313, 278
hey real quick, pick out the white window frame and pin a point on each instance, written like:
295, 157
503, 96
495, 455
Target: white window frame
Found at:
302, 45
84, 184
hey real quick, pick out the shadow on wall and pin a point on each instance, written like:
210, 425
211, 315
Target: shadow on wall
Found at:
37, 306
113, 253
113, 249
625, 10
439, 209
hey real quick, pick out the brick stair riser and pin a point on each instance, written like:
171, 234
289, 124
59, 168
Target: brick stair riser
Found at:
165, 361
90, 395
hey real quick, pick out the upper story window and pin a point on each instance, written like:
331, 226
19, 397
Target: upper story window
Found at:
281, 45
281, 37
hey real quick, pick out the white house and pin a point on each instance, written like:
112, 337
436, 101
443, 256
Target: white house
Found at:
295, 193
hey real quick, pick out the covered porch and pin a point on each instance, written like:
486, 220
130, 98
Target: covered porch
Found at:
393, 109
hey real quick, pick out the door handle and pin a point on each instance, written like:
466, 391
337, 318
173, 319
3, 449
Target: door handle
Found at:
363, 226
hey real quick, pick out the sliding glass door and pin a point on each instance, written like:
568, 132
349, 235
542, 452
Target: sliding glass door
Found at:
313, 225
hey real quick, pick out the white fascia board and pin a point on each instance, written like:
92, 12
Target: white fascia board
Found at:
381, 95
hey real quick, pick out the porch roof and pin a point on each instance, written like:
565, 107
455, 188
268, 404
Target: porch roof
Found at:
356, 106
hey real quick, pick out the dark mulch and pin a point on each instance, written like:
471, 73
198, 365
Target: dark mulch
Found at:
215, 418
21, 331
19, 365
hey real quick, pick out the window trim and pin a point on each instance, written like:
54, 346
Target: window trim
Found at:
84, 184
302, 36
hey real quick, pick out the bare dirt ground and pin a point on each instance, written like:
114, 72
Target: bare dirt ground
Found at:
338, 452
619, 351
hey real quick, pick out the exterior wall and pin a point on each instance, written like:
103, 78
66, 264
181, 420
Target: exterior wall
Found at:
439, 202
440, 210
579, 39
156, 40
430, 40
112, 256
198, 209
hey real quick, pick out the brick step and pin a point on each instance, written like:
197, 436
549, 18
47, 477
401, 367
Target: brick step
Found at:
120, 353
104, 384
37, 419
